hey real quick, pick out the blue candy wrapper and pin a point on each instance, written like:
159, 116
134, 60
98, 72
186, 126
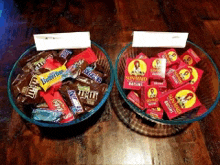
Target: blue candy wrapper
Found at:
44, 114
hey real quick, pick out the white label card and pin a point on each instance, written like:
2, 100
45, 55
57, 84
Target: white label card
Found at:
73, 40
159, 39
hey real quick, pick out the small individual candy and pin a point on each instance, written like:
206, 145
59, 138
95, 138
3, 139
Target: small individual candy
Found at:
43, 114
65, 53
56, 102
134, 98
136, 73
93, 74
51, 63
157, 68
150, 96
179, 77
179, 101
88, 55
161, 84
156, 112
190, 57
197, 75
141, 56
170, 55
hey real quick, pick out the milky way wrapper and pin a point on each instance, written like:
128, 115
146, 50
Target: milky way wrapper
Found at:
190, 57
179, 101
170, 55
150, 96
179, 77
157, 68
136, 73
156, 112
135, 99
197, 75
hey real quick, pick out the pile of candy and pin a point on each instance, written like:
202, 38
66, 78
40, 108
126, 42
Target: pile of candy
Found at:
57, 86
166, 83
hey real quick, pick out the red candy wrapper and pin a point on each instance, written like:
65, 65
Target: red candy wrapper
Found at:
51, 63
197, 75
190, 57
170, 55
136, 73
134, 98
157, 68
179, 77
201, 110
88, 55
141, 56
161, 84
150, 96
156, 112
56, 102
179, 101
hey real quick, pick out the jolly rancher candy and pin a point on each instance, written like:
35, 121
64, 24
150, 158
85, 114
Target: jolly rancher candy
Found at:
179, 101
136, 73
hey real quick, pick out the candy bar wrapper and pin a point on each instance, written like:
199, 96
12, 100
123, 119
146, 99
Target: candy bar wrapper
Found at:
88, 55
93, 74
170, 55
190, 57
134, 98
202, 109
161, 84
150, 96
179, 101
157, 68
156, 112
141, 56
51, 63
65, 54
56, 102
136, 73
86, 80
179, 77
98, 67
44, 114
50, 78
197, 75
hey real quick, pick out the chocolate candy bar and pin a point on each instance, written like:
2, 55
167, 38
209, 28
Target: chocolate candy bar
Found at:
65, 54
93, 74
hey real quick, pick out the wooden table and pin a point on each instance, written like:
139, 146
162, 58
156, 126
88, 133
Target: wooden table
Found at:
106, 140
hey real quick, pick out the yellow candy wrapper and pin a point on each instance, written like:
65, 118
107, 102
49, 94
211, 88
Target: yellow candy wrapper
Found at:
52, 77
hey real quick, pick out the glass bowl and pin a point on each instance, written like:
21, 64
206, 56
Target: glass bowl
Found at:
207, 91
103, 59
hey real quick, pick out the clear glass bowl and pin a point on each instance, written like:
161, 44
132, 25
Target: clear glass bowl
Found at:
103, 59
207, 92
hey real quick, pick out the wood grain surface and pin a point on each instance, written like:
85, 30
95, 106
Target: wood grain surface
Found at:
104, 139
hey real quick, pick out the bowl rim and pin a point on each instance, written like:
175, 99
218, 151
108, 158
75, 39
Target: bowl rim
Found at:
76, 121
170, 122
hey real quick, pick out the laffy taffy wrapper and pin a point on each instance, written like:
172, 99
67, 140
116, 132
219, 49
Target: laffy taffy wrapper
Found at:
170, 55
150, 96
134, 98
156, 112
136, 73
157, 68
190, 57
179, 77
197, 75
179, 101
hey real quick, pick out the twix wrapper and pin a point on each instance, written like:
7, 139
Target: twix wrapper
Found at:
136, 73
179, 101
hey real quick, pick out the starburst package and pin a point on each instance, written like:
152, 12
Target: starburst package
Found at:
190, 57
157, 68
136, 73
179, 101
150, 96
170, 55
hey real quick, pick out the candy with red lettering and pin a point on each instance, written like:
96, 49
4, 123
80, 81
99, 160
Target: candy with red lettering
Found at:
150, 96
141, 56
190, 57
179, 77
161, 84
156, 112
179, 101
170, 55
197, 75
157, 68
136, 73
135, 98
